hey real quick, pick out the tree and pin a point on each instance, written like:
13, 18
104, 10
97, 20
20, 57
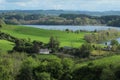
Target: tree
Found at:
67, 64
117, 72
0, 26
54, 43
87, 73
67, 67
36, 48
85, 50
26, 72
43, 76
67, 30
114, 42
19, 45
55, 69
6, 69
107, 74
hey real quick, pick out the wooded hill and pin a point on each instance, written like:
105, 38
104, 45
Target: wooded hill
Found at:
62, 19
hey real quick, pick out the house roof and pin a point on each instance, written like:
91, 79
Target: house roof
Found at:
44, 50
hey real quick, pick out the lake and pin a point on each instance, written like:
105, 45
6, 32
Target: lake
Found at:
74, 28
108, 42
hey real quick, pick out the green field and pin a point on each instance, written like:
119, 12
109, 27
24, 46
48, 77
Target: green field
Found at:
106, 61
6, 45
66, 39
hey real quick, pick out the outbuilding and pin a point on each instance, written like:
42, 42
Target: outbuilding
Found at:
44, 51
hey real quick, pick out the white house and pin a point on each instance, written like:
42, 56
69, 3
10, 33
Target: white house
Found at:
44, 51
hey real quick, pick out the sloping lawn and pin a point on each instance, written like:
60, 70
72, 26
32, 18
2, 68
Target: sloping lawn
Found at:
66, 39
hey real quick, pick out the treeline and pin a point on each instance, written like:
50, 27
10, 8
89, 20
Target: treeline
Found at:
33, 47
7, 37
114, 23
62, 19
102, 36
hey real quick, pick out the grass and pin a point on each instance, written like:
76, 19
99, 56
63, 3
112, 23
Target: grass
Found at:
106, 61
5, 45
66, 39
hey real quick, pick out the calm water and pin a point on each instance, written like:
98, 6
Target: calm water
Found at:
63, 27
74, 28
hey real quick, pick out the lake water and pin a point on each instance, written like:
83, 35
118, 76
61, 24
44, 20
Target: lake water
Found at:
108, 43
74, 28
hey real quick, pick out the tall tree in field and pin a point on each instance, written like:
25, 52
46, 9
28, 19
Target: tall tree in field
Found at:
53, 43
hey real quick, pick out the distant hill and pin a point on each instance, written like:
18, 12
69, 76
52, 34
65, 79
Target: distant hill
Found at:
58, 12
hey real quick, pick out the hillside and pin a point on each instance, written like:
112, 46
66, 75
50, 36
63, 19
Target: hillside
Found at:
65, 38
54, 66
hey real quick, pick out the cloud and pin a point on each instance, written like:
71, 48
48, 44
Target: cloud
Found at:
91, 5
17, 0
2, 1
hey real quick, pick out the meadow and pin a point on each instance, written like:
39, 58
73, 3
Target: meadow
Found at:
65, 38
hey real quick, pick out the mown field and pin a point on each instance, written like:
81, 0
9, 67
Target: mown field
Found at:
6, 45
66, 39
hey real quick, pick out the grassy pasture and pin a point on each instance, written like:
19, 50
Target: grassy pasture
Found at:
66, 39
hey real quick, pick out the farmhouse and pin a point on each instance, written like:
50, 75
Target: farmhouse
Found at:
44, 51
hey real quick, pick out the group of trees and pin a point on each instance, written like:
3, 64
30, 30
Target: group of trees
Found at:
79, 19
27, 46
7, 37
101, 36
114, 23
83, 52
115, 46
22, 45
62, 19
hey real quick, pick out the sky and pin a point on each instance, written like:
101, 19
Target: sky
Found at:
81, 5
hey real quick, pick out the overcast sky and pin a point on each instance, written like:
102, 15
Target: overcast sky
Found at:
82, 5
